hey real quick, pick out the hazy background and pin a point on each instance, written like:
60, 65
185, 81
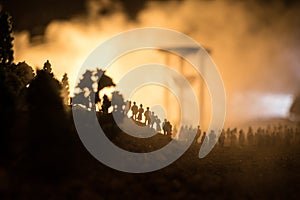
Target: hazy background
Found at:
255, 44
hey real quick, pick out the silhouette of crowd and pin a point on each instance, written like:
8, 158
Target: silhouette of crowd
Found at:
137, 113
276, 135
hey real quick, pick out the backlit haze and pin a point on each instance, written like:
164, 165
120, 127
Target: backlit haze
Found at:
255, 47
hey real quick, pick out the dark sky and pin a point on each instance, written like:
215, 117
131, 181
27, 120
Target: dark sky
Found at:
34, 15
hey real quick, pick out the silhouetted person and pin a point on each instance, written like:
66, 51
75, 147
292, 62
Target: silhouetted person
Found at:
222, 138
147, 115
259, 136
250, 136
164, 126
167, 128
233, 138
140, 112
242, 138
152, 119
105, 104
157, 122
134, 110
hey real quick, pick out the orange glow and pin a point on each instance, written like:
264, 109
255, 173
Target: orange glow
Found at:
250, 56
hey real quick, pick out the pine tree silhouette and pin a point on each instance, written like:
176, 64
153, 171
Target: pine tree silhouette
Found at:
65, 92
6, 40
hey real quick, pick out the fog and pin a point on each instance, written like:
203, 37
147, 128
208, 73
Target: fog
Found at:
255, 46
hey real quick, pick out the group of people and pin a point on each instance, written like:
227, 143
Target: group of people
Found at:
231, 137
136, 113
275, 136
150, 118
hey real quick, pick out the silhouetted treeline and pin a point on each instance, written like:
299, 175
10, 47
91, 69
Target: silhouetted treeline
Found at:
36, 133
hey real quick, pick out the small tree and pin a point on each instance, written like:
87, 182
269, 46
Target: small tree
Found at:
47, 68
24, 72
65, 89
44, 92
6, 40
85, 88
84, 92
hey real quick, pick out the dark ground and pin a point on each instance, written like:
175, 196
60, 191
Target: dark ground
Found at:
67, 171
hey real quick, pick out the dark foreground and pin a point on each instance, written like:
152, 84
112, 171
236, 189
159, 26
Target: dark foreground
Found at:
47, 169
229, 173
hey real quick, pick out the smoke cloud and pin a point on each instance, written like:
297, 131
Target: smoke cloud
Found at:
255, 46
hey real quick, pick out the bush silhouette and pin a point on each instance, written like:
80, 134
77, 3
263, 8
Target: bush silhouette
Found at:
50, 142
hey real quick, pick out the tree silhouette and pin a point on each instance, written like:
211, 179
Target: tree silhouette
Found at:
103, 81
9, 84
44, 92
13, 82
48, 130
47, 68
6, 39
21, 76
24, 72
65, 89
85, 90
